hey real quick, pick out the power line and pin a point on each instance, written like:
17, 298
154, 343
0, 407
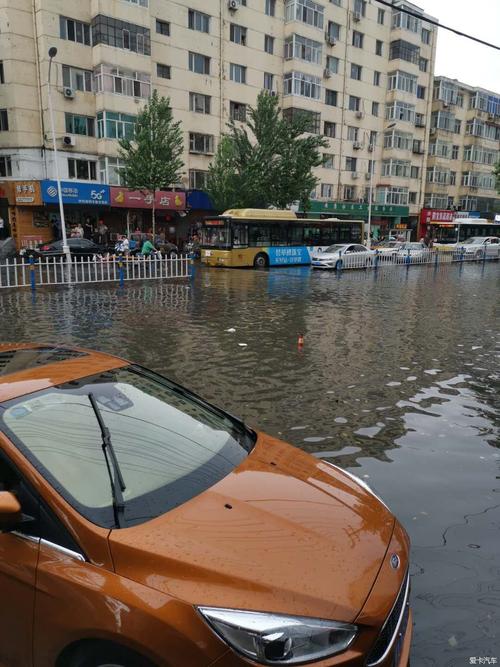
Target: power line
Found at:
436, 23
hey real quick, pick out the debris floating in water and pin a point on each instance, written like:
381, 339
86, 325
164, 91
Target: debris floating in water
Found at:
231, 330
243, 344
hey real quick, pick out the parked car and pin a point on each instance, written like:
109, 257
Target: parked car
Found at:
77, 248
388, 247
143, 527
414, 251
343, 255
479, 247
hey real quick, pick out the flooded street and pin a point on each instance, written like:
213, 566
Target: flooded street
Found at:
398, 380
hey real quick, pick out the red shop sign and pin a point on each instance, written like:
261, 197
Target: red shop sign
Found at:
164, 200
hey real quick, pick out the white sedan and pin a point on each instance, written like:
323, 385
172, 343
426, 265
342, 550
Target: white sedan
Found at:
479, 247
343, 256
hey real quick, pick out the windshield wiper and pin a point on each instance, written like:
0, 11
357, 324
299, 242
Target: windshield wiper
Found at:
115, 477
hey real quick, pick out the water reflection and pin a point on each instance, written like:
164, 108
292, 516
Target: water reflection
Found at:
398, 379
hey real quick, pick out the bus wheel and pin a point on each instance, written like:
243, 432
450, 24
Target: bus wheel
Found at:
261, 261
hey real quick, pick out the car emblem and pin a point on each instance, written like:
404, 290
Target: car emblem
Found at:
395, 561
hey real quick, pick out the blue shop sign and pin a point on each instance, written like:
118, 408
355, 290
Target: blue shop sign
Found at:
89, 194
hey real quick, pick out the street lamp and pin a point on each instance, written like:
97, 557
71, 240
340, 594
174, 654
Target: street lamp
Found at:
52, 54
370, 196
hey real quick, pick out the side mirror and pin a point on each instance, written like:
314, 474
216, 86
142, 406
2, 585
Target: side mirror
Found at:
10, 511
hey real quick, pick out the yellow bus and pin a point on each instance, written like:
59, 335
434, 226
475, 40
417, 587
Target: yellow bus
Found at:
264, 237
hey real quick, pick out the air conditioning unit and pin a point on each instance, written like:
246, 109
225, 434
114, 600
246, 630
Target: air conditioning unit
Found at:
359, 114
446, 105
357, 145
233, 5
327, 73
68, 140
331, 41
354, 174
370, 148
356, 16
68, 92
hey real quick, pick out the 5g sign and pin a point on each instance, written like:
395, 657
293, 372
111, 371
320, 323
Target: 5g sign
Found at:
97, 195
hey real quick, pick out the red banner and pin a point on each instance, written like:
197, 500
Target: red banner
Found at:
436, 215
165, 200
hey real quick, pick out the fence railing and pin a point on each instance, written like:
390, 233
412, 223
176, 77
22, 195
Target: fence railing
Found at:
377, 259
36, 272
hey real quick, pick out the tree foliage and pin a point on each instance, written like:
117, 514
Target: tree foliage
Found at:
153, 157
267, 161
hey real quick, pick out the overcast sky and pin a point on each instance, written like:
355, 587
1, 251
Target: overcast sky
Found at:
461, 58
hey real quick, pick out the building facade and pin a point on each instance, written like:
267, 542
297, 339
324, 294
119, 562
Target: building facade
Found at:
463, 149
362, 73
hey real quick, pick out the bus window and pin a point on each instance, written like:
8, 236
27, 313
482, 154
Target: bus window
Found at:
329, 235
240, 235
312, 235
216, 237
278, 235
356, 233
295, 234
258, 235
345, 233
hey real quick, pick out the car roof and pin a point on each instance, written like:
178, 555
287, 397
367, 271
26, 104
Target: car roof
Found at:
26, 368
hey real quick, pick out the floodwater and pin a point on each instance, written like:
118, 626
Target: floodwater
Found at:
397, 380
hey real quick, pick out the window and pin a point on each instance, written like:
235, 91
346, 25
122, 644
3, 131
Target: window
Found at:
351, 163
238, 111
402, 50
197, 179
400, 80
373, 138
201, 143
453, 177
329, 129
314, 118
237, 73
357, 39
426, 36
418, 146
354, 103
268, 44
76, 78
406, 21
198, 21
4, 120
303, 48
84, 125
397, 168
375, 108
332, 64
436, 175
74, 31
162, 71
336, 2
333, 31
412, 199
379, 45
415, 172
349, 193
141, 3
439, 148
352, 133
400, 111
199, 63
304, 85
238, 34
122, 82
392, 195
85, 170
419, 120
270, 7
120, 34
331, 97
457, 127
376, 78
199, 103
422, 64
356, 72
306, 11
381, 16
162, 28
397, 139
444, 120
5, 166
328, 160
268, 81
2, 77
111, 125
360, 7
326, 190
110, 170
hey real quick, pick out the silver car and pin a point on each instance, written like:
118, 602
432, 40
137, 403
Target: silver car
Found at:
479, 247
343, 256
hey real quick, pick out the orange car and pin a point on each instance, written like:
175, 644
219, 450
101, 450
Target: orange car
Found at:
141, 526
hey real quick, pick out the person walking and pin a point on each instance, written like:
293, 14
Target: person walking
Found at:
102, 233
88, 229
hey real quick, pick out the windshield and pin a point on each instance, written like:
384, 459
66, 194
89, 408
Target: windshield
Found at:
389, 244
216, 234
412, 246
336, 248
473, 239
170, 445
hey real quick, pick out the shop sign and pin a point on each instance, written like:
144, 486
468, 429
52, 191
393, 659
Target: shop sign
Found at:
27, 193
346, 208
88, 194
164, 200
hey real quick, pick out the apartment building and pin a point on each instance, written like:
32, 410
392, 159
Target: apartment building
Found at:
362, 73
463, 149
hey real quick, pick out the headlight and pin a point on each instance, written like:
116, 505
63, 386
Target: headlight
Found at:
359, 481
274, 639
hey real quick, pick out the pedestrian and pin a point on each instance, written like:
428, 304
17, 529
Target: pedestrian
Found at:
79, 231
148, 248
102, 233
2, 227
88, 229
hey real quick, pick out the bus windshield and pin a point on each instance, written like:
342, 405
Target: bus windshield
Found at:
216, 234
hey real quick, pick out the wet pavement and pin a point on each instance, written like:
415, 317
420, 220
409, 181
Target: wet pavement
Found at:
398, 380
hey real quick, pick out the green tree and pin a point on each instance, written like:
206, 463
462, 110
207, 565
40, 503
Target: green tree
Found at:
152, 158
266, 161
496, 171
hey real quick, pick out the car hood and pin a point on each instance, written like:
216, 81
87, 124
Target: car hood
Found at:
326, 255
283, 532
